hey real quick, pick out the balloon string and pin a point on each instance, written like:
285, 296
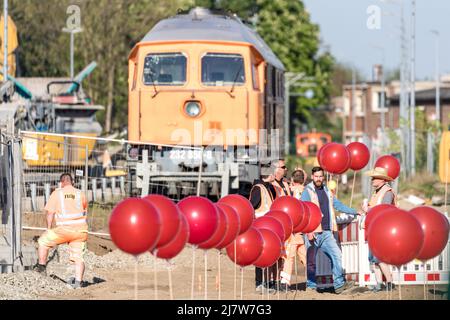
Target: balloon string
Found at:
218, 263
446, 186
353, 188
267, 272
155, 276
263, 286
242, 283
170, 280
337, 185
277, 285
136, 278
193, 274
235, 268
399, 284
206, 276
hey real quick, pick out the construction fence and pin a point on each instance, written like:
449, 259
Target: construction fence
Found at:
103, 169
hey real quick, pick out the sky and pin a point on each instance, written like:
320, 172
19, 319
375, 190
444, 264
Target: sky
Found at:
343, 26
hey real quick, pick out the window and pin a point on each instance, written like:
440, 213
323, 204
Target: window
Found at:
165, 69
220, 69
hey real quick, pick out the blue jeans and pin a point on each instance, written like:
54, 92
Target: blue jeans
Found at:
329, 246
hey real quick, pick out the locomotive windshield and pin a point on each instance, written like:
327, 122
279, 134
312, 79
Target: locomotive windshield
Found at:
220, 69
165, 69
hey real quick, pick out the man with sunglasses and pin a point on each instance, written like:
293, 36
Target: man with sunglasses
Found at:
280, 184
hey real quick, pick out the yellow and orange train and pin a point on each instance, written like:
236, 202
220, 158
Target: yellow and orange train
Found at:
208, 71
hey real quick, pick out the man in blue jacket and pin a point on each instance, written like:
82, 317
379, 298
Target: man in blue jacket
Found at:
322, 237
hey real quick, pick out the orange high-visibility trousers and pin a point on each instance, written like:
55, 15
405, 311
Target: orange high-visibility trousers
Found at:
294, 246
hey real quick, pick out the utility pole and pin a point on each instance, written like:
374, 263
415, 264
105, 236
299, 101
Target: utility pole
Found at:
353, 105
438, 100
5, 41
297, 80
413, 89
72, 33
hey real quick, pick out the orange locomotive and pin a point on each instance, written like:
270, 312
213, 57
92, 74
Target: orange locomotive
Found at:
197, 79
308, 144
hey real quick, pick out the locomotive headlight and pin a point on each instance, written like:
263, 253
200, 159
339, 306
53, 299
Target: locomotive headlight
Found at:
192, 108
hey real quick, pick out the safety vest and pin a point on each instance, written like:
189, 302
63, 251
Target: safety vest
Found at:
297, 191
63, 218
279, 190
266, 200
377, 198
315, 200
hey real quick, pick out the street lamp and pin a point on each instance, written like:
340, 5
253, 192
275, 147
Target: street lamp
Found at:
438, 102
383, 94
72, 32
294, 80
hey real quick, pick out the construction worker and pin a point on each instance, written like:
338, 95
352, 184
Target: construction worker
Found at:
295, 245
282, 189
262, 195
280, 184
323, 237
383, 193
68, 207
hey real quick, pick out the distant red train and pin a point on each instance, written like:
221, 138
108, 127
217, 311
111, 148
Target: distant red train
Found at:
309, 143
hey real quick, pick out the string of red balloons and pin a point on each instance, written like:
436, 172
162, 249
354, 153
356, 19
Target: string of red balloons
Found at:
156, 224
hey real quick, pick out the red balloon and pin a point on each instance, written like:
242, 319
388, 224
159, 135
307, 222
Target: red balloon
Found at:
174, 247
395, 237
315, 217
220, 231
335, 158
134, 226
372, 213
391, 164
169, 216
435, 228
271, 251
233, 227
243, 208
285, 220
202, 217
320, 151
292, 206
249, 247
305, 221
271, 224
359, 155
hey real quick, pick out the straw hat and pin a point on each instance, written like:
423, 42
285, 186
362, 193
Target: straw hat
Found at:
380, 173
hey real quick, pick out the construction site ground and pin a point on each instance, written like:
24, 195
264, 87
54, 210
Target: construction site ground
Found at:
111, 274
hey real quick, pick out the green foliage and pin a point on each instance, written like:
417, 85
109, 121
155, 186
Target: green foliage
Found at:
110, 30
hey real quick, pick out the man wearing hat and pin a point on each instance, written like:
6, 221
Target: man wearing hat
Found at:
262, 195
383, 194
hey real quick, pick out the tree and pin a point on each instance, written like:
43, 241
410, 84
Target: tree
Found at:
110, 30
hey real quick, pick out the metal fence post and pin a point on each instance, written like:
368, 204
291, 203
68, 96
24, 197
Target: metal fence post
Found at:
113, 186
430, 153
94, 189
47, 191
200, 169
104, 189
33, 197
122, 185
86, 176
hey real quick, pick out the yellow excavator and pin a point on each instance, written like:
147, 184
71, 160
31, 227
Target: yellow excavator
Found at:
13, 43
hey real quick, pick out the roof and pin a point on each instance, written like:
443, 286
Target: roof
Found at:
201, 25
427, 95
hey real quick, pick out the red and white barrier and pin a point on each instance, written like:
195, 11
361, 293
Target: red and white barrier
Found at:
355, 252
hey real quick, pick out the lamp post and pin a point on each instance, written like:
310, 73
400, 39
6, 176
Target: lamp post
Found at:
72, 33
438, 100
293, 80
